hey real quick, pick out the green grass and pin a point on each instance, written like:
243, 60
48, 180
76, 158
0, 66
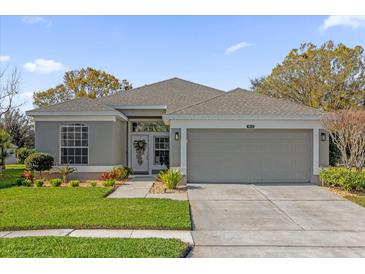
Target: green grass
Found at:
68, 247
360, 200
86, 207
8, 176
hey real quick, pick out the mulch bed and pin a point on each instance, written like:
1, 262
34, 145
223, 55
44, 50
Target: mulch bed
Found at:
160, 188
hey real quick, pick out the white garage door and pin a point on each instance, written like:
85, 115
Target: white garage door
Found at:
235, 155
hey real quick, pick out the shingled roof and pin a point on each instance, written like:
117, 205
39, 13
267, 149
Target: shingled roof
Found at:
182, 97
174, 93
243, 102
80, 104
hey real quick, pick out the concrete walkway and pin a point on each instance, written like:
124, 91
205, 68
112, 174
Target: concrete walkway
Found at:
287, 220
134, 188
140, 187
184, 236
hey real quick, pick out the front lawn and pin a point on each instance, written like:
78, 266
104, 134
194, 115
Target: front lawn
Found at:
36, 208
8, 176
69, 247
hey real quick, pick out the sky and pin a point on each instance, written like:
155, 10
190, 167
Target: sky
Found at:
224, 52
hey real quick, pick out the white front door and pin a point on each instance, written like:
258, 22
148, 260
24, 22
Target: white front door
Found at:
140, 153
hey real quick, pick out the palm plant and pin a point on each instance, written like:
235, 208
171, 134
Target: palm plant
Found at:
65, 171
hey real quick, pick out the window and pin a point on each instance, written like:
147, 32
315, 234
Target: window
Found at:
161, 151
74, 144
149, 126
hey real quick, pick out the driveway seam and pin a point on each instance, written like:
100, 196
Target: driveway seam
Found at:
277, 207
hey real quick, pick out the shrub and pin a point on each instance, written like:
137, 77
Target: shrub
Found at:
106, 176
19, 181
39, 162
22, 154
341, 177
55, 182
118, 173
109, 182
27, 182
128, 171
93, 183
39, 183
65, 171
170, 177
74, 183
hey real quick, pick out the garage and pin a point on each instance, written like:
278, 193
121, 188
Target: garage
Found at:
249, 155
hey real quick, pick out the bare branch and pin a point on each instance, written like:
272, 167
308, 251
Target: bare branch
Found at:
9, 88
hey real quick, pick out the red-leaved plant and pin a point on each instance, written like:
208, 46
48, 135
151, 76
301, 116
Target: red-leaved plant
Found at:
28, 175
107, 176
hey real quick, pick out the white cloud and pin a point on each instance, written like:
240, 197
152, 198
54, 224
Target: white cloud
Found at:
343, 21
44, 66
236, 47
4, 58
31, 20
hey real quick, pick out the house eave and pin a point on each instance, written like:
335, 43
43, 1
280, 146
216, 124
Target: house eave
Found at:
83, 114
167, 117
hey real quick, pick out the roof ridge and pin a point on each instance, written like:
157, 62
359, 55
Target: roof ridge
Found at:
197, 103
159, 82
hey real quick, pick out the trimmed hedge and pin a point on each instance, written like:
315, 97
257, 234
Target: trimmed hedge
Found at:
22, 154
344, 178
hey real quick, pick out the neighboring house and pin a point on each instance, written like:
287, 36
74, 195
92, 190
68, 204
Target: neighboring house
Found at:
211, 135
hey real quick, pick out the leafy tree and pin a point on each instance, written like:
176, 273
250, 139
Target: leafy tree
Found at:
20, 128
329, 77
22, 154
84, 82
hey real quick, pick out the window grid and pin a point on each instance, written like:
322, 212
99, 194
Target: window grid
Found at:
74, 144
161, 150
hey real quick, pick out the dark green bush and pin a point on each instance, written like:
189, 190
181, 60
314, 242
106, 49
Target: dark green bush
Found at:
128, 171
110, 182
74, 183
19, 181
22, 154
38, 182
55, 182
39, 162
341, 177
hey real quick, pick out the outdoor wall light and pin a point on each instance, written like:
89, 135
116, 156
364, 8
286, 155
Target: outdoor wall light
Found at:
177, 136
323, 136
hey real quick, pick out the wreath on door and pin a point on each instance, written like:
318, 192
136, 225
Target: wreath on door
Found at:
140, 147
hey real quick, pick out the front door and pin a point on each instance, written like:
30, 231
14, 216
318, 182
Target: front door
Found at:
140, 154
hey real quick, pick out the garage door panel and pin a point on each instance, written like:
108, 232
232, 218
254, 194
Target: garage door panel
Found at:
249, 155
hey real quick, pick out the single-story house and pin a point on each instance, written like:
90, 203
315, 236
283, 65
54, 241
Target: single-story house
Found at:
210, 134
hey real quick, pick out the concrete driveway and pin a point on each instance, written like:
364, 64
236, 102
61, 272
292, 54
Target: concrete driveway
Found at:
283, 220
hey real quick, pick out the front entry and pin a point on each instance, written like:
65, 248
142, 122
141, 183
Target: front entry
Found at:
139, 155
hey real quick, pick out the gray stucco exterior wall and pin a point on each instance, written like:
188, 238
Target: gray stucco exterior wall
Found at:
174, 148
107, 141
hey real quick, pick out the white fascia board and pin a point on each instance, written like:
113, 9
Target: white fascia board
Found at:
239, 117
242, 124
139, 106
87, 115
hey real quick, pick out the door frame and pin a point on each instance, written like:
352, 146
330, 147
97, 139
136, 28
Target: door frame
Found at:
151, 137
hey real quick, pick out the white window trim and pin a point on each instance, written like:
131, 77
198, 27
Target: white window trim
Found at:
60, 145
154, 148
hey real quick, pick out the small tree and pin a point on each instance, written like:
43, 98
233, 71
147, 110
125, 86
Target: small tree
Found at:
347, 130
39, 162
